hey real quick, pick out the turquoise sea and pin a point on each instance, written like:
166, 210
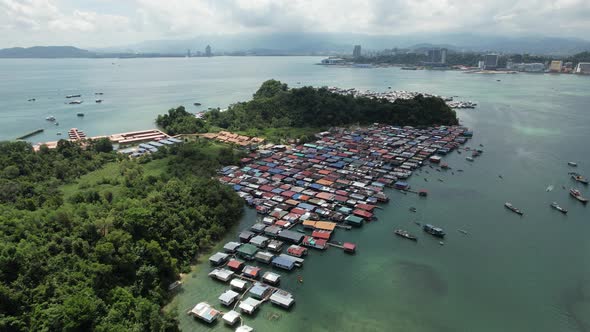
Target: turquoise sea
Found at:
509, 273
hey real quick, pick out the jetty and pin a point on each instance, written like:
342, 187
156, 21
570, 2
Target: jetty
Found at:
32, 133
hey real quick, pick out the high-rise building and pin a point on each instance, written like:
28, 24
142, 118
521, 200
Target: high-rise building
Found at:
208, 51
434, 55
356, 52
490, 61
555, 66
582, 68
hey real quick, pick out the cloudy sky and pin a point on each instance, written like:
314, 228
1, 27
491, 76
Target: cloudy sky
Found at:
96, 23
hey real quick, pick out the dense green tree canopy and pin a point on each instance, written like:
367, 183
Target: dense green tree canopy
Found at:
276, 106
90, 241
179, 121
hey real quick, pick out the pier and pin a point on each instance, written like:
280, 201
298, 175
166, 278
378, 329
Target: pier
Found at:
32, 133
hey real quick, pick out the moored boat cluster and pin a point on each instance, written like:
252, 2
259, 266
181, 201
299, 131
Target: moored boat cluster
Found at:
394, 95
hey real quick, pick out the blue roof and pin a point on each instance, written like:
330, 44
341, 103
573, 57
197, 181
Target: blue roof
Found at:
237, 187
275, 171
277, 190
306, 206
284, 262
174, 140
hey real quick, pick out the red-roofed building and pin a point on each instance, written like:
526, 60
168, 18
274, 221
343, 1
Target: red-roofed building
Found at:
324, 235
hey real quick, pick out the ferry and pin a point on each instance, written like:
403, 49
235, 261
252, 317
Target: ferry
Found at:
434, 231
558, 208
510, 207
579, 178
578, 195
572, 164
405, 235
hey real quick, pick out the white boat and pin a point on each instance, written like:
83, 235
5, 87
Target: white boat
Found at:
50, 118
550, 188
469, 159
572, 164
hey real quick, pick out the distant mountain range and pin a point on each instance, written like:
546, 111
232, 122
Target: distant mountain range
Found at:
45, 52
326, 43
313, 44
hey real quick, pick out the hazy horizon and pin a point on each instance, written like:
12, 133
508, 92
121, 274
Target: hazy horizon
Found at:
109, 23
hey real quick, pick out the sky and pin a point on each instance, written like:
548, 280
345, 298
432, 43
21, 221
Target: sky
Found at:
102, 23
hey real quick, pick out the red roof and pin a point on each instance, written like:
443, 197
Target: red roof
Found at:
297, 251
362, 213
281, 223
298, 211
349, 246
365, 207
325, 235
266, 188
235, 264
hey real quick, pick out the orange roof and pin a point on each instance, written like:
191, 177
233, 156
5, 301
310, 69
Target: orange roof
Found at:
324, 171
324, 182
325, 225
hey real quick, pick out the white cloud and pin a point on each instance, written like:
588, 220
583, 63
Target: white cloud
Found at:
127, 21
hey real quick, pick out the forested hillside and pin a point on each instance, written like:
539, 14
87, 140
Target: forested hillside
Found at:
90, 241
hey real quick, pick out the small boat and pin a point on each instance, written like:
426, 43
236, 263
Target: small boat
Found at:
98, 93
572, 164
441, 243
462, 231
50, 118
550, 188
32, 99
459, 151
434, 231
441, 180
579, 178
80, 114
459, 170
405, 235
75, 102
510, 207
413, 209
500, 176
57, 123
558, 208
73, 96
578, 195
469, 159
417, 223
197, 104
98, 101
58, 133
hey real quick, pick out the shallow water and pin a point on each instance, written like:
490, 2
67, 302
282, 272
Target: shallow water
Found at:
509, 273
